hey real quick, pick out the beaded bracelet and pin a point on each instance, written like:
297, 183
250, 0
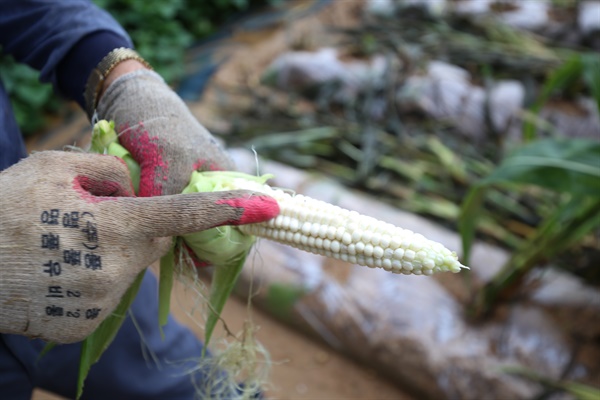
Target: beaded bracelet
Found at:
101, 72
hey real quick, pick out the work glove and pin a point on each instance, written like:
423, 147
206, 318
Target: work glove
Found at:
73, 238
160, 132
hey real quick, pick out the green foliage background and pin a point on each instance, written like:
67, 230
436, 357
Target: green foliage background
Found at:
31, 100
161, 32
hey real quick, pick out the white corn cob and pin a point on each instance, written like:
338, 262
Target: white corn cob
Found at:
322, 228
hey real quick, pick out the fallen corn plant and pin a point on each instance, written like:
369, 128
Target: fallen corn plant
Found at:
552, 386
584, 67
305, 223
568, 166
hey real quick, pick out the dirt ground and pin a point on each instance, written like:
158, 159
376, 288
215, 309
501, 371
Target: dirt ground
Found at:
302, 369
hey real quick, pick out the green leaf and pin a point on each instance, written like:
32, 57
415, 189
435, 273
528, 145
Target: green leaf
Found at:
560, 79
591, 75
580, 391
165, 285
95, 344
577, 218
49, 346
281, 298
223, 281
469, 217
563, 165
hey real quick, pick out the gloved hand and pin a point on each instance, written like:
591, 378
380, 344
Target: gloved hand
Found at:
73, 238
160, 132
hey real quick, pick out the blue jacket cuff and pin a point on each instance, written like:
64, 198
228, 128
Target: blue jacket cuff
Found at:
73, 71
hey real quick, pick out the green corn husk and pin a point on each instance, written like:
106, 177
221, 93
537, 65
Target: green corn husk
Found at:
106, 141
225, 247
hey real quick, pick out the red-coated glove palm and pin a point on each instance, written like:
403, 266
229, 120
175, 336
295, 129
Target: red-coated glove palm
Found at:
156, 126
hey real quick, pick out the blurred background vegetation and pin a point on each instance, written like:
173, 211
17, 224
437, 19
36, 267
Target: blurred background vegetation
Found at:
153, 27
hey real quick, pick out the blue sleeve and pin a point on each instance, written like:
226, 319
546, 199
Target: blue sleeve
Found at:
63, 39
